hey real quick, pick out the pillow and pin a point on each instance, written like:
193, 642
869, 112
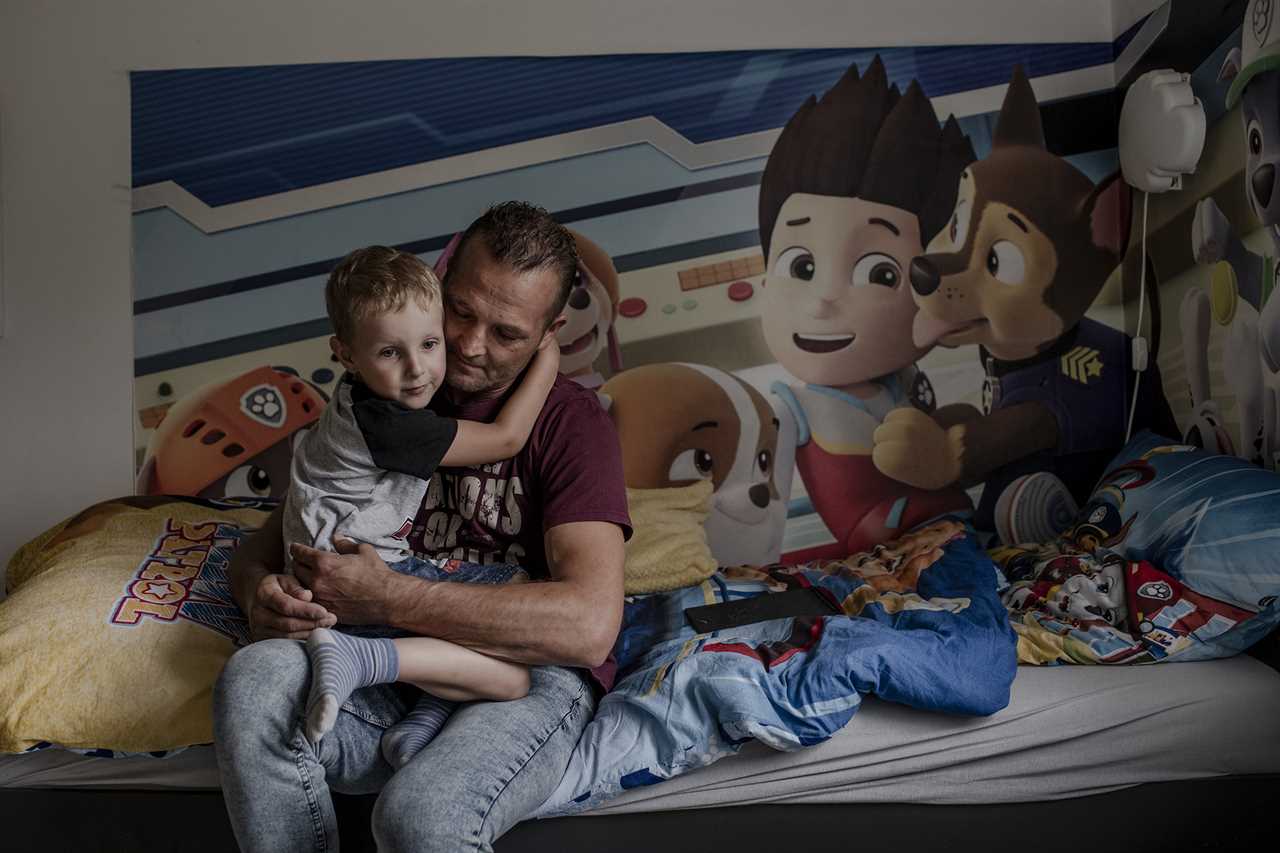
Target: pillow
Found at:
1211, 523
117, 623
668, 546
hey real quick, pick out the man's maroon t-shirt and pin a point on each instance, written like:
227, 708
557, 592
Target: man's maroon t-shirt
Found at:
569, 470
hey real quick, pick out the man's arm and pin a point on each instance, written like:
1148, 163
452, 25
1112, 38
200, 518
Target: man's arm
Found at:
275, 604
571, 620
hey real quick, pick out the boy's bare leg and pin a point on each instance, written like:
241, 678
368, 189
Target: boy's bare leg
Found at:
445, 672
450, 673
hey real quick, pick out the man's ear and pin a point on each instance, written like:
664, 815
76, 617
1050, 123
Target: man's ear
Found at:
343, 353
556, 325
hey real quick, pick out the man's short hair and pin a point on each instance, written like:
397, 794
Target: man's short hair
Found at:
376, 280
524, 237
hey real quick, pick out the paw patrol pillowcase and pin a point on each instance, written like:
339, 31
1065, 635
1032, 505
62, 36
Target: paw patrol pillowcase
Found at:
1072, 607
1210, 522
117, 623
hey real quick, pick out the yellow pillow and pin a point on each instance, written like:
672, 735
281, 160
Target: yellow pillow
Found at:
117, 623
668, 546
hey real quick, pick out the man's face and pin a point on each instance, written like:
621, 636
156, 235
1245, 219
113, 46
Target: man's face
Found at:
838, 306
494, 319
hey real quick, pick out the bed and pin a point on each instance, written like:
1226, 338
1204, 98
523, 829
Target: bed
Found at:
1183, 754
1135, 758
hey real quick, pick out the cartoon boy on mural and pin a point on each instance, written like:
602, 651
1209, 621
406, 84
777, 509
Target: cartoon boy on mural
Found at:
1242, 284
855, 185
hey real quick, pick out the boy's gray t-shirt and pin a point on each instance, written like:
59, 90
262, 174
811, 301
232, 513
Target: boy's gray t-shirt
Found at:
362, 471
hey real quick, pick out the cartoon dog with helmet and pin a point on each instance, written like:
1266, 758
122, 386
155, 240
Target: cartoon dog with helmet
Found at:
681, 423
231, 438
1241, 293
590, 313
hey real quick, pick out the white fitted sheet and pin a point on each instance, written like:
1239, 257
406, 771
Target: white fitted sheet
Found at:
1068, 731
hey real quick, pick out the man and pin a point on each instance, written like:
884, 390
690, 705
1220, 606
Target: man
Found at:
558, 508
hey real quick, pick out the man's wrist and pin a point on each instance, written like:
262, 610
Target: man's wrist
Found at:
404, 600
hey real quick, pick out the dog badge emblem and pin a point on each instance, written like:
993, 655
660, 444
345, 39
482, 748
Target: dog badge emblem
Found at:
265, 405
1159, 590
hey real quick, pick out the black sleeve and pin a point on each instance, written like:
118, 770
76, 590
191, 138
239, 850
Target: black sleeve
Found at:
407, 441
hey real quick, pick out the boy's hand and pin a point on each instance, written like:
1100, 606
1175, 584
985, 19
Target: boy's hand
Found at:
283, 608
351, 583
549, 351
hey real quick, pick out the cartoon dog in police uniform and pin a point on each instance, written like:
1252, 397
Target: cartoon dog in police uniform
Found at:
1242, 284
1030, 243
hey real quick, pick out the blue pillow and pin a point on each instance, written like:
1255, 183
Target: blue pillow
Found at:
1211, 522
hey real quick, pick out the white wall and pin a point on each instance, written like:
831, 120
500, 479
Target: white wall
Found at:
66, 352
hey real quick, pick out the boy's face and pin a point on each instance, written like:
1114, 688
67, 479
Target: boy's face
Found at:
838, 306
399, 355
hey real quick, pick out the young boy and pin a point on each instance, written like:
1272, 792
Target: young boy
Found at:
361, 474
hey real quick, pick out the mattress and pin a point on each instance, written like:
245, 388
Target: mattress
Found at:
1067, 732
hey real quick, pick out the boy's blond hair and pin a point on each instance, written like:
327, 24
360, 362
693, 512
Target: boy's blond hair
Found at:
376, 280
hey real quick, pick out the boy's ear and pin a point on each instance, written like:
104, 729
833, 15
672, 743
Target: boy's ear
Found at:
343, 353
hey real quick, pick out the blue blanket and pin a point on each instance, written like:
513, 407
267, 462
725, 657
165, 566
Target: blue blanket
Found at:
923, 626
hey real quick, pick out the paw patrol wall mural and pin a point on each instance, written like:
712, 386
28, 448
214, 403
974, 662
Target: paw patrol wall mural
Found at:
803, 273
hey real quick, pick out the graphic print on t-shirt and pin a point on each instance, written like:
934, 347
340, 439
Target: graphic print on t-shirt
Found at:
468, 514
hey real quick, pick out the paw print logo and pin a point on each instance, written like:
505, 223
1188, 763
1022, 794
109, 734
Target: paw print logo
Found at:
1261, 22
265, 405
1159, 590
922, 393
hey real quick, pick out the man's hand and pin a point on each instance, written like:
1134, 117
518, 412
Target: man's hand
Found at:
283, 608
351, 583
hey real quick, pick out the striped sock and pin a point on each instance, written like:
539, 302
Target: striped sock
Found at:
339, 665
406, 738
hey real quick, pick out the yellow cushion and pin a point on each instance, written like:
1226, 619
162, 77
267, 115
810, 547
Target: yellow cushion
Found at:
117, 623
668, 546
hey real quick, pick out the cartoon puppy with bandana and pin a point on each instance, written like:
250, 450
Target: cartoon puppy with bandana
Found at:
681, 423
1030, 243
